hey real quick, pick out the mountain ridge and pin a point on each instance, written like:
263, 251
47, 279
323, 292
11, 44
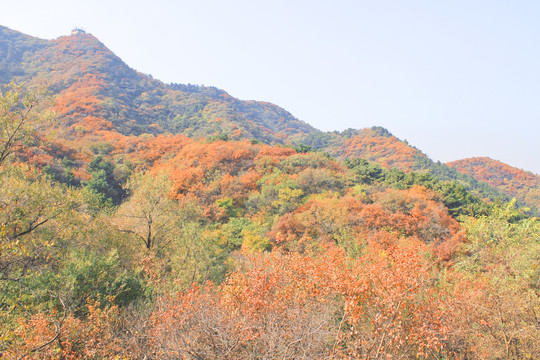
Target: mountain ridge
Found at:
135, 103
523, 185
100, 98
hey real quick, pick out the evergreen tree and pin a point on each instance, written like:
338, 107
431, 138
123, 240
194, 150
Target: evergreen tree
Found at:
103, 181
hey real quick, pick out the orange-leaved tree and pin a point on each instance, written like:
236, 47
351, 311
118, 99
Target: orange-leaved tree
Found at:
380, 305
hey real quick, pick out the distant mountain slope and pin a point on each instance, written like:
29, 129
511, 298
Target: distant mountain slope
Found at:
13, 47
378, 145
97, 91
523, 185
374, 144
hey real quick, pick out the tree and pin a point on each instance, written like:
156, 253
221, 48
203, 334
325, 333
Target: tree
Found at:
103, 181
19, 117
33, 215
303, 148
149, 214
291, 306
171, 232
29, 210
366, 172
497, 284
45, 336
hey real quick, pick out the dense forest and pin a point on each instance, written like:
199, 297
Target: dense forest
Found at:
148, 221
518, 183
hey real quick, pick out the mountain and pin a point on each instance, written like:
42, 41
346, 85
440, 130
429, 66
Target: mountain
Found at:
13, 47
96, 91
121, 237
379, 146
375, 144
100, 100
523, 185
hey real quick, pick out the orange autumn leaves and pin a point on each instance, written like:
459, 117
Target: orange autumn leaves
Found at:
384, 291
381, 304
356, 270
311, 194
385, 218
525, 186
320, 207
65, 336
387, 151
219, 170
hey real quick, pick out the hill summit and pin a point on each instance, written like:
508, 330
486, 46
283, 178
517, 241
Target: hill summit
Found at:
96, 90
521, 184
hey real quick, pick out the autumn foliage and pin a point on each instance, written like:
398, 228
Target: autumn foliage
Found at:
63, 336
305, 306
306, 260
385, 150
155, 221
518, 183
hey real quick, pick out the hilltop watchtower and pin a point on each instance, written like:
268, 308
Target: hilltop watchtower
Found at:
77, 31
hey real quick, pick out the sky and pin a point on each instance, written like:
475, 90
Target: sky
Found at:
456, 79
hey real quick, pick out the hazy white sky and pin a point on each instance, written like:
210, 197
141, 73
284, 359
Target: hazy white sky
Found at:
456, 78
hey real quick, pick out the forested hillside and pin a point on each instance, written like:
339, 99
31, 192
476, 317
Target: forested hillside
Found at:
521, 184
95, 90
379, 146
140, 220
98, 98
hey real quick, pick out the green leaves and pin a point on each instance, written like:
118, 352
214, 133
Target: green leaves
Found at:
90, 276
104, 182
31, 214
20, 116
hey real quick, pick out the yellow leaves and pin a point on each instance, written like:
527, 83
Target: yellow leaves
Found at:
20, 117
287, 196
255, 243
33, 215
